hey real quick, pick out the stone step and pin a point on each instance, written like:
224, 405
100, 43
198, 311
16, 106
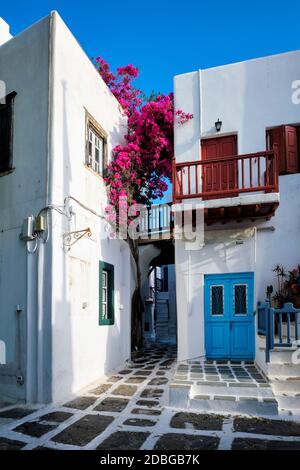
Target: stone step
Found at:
283, 369
290, 402
285, 384
233, 390
233, 397
162, 315
245, 405
282, 355
162, 311
162, 328
162, 320
223, 399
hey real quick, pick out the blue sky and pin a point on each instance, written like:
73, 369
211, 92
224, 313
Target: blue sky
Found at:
165, 38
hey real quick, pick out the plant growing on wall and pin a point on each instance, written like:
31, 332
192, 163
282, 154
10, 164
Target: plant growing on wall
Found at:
141, 167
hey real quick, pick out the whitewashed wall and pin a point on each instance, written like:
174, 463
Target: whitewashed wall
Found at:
82, 350
24, 69
248, 98
61, 347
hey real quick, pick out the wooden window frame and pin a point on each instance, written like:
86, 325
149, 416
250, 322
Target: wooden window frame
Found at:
91, 123
110, 292
9, 105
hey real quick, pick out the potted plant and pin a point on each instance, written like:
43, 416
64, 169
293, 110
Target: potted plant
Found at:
292, 286
281, 295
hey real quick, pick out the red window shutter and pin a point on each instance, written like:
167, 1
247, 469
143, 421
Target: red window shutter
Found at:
277, 136
291, 149
215, 176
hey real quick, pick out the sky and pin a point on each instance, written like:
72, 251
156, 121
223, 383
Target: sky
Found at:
165, 38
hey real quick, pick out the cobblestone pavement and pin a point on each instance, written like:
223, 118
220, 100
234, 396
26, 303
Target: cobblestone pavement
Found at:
129, 411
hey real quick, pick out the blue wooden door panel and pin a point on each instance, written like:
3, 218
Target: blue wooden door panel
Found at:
228, 310
241, 340
218, 339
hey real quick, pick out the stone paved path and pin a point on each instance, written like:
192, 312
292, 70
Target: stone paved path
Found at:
129, 411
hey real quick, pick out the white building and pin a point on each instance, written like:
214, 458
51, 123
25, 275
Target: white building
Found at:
64, 310
251, 220
66, 286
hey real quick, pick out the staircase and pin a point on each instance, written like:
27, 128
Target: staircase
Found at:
225, 387
284, 377
162, 319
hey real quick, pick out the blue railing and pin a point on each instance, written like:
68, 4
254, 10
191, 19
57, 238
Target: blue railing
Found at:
280, 326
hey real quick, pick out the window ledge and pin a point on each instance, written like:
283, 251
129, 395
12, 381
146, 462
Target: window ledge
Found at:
89, 168
7, 172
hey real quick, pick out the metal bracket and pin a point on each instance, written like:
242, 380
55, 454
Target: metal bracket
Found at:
70, 238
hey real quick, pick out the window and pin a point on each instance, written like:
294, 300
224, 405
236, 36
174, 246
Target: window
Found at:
288, 140
217, 300
96, 146
6, 133
106, 294
240, 299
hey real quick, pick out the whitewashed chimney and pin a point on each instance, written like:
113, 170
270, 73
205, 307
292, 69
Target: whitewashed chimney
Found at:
4, 32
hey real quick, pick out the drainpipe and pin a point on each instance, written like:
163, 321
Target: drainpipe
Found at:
31, 315
38, 364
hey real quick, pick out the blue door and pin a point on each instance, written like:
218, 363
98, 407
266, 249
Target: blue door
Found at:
229, 317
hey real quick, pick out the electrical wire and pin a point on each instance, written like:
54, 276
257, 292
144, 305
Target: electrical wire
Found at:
69, 198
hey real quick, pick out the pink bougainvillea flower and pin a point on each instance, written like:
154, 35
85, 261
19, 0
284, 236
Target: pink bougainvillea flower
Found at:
141, 167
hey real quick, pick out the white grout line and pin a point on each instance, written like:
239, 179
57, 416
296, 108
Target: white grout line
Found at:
162, 421
227, 436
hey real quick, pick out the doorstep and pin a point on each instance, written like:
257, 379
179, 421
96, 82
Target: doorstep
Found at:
221, 386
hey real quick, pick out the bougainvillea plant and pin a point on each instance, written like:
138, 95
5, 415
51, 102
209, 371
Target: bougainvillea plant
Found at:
141, 167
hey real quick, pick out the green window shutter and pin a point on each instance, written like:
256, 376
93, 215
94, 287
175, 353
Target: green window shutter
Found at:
106, 294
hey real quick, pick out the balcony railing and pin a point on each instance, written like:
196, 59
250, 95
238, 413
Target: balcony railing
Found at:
279, 326
156, 221
226, 177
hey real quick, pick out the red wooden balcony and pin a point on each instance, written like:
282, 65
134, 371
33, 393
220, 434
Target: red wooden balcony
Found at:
229, 177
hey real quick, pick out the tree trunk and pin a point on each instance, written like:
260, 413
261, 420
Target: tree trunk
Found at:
136, 301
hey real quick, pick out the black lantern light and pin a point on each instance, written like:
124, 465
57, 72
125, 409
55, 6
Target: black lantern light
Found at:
218, 125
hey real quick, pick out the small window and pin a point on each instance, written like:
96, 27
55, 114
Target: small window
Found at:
217, 300
240, 299
106, 294
96, 146
6, 133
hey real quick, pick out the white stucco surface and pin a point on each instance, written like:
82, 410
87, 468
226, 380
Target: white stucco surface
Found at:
23, 61
82, 350
248, 98
56, 342
4, 32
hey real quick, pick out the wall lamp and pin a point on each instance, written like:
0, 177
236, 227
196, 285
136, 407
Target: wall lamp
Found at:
218, 125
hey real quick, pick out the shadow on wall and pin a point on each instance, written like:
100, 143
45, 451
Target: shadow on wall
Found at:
118, 336
67, 333
62, 327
